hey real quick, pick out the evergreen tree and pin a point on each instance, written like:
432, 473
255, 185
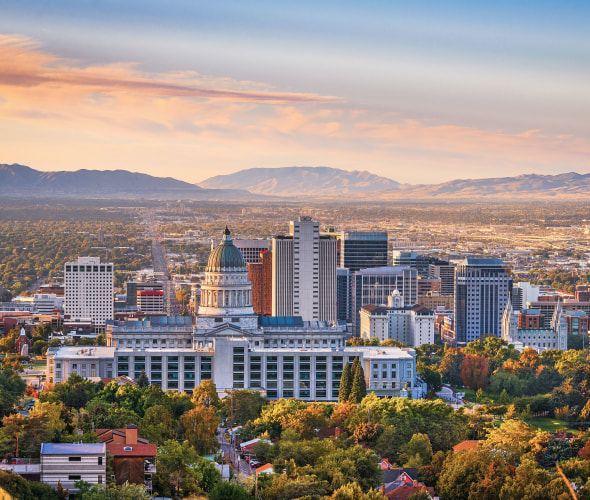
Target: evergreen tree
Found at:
359, 385
345, 384
143, 380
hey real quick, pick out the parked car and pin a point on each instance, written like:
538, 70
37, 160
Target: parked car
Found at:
18, 461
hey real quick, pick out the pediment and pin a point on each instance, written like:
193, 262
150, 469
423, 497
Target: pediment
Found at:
227, 330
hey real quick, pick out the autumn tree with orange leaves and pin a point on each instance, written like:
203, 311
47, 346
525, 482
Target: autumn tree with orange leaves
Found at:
474, 372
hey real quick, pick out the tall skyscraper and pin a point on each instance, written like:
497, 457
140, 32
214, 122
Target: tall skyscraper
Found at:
482, 289
89, 290
363, 249
343, 294
358, 250
446, 272
374, 286
304, 273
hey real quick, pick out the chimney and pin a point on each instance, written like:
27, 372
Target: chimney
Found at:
131, 434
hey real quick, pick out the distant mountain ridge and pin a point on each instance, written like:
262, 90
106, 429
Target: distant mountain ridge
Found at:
16, 180
291, 183
566, 185
329, 183
301, 181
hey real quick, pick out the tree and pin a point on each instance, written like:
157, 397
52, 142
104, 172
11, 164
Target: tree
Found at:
472, 475
345, 384
513, 439
40, 347
201, 426
352, 491
356, 464
206, 394
229, 491
474, 372
143, 381
175, 471
157, 424
125, 491
529, 481
18, 487
431, 377
367, 433
243, 405
450, 367
8, 340
12, 387
417, 452
74, 393
359, 384
341, 413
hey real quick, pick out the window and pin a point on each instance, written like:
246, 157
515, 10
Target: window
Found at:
74, 477
99, 460
74, 459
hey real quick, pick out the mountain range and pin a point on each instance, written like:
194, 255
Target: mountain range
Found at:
297, 181
20, 180
312, 183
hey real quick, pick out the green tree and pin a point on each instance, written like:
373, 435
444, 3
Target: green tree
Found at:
359, 384
12, 387
355, 464
243, 405
417, 452
529, 481
176, 473
74, 393
18, 487
158, 424
143, 381
125, 491
345, 384
430, 376
200, 425
229, 491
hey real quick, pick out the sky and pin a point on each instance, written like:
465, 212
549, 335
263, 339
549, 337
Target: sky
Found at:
421, 92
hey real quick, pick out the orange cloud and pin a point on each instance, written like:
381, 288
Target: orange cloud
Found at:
23, 64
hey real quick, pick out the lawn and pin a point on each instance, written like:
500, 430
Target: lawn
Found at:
549, 424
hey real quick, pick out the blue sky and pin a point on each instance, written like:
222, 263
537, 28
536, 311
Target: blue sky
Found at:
415, 91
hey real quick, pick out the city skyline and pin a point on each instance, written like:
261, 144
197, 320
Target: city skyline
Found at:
417, 93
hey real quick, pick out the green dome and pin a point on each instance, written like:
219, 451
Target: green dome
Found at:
226, 256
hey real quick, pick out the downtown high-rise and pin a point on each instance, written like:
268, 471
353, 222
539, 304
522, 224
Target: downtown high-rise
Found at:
482, 289
304, 273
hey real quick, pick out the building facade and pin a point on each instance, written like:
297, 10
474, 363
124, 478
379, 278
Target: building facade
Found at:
304, 273
67, 463
260, 275
89, 292
411, 325
537, 337
374, 286
482, 289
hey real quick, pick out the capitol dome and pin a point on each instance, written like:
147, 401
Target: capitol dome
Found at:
226, 256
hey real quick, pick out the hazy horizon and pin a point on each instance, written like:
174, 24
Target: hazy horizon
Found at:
418, 93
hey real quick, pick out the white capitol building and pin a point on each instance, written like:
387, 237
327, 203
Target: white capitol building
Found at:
283, 356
